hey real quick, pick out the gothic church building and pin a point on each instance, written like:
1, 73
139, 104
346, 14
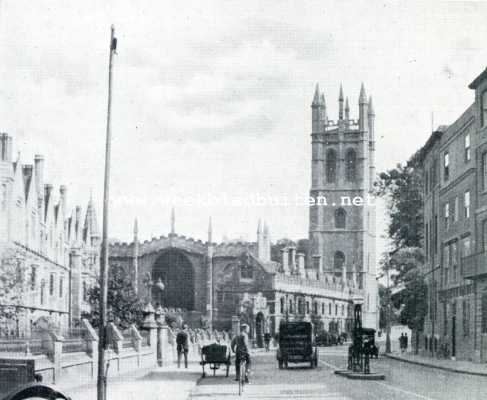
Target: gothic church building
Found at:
218, 283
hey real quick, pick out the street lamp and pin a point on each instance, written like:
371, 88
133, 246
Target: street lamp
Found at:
388, 315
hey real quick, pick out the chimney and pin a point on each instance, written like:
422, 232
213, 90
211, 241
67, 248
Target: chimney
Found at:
292, 259
39, 174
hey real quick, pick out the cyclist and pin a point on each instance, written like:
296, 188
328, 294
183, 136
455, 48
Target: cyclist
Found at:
240, 346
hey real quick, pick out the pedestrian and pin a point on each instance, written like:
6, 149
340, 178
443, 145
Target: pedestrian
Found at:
182, 345
267, 340
405, 342
401, 342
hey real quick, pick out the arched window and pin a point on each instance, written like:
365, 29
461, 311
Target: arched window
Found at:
339, 260
331, 166
246, 271
351, 165
340, 218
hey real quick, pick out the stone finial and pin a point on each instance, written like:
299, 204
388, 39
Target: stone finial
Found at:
316, 98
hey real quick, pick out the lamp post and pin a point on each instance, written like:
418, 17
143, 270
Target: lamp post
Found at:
388, 315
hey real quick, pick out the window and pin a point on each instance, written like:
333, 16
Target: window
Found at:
43, 287
446, 166
338, 261
300, 306
351, 165
282, 305
336, 309
291, 310
446, 263
51, 284
466, 204
465, 249
343, 310
455, 209
446, 214
307, 307
483, 116
315, 308
246, 271
329, 308
61, 284
454, 259
484, 171
426, 182
331, 165
467, 147
33, 277
466, 317
85, 291
322, 308
340, 218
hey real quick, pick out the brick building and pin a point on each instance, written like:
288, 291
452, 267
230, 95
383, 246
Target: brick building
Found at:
455, 217
51, 253
215, 282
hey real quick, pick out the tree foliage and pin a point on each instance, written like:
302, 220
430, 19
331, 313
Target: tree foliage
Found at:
12, 283
402, 189
123, 305
302, 246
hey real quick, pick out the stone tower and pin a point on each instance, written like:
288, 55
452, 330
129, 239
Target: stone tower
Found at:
342, 221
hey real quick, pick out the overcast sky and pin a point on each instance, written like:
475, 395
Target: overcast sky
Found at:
214, 97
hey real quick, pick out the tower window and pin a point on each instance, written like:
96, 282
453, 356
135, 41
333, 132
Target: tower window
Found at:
331, 165
351, 165
340, 218
338, 261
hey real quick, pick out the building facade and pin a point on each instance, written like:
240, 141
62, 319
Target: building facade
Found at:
217, 283
48, 254
455, 217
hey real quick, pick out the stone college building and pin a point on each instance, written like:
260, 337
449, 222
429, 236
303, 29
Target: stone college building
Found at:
216, 283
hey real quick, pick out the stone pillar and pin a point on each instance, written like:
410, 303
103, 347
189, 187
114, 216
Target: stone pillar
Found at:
76, 285
116, 338
235, 325
91, 338
150, 325
285, 260
316, 267
56, 354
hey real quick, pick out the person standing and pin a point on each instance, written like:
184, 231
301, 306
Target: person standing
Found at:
240, 346
267, 340
405, 342
182, 345
401, 342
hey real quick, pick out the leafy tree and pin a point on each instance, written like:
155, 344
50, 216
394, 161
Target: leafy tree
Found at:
12, 284
402, 188
123, 305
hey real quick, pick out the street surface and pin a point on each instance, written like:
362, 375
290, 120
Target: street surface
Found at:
403, 381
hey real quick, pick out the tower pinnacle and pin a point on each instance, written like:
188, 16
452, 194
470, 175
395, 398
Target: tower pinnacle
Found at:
136, 227
173, 222
363, 96
371, 107
340, 103
316, 97
210, 231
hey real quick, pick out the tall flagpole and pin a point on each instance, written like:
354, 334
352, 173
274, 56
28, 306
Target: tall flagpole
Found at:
101, 387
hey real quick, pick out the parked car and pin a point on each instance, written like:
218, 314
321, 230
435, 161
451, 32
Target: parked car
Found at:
296, 344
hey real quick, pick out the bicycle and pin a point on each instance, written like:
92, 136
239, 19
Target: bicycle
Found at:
242, 375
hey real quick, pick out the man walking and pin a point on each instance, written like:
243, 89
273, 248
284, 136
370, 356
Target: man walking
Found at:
405, 342
267, 340
182, 343
240, 346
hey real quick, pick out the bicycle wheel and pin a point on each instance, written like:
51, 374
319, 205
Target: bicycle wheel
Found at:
241, 378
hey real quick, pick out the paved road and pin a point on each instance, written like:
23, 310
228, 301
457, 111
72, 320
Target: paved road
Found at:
403, 382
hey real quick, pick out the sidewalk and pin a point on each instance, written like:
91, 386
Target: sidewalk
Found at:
167, 382
462, 367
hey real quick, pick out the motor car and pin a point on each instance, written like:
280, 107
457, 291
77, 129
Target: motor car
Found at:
368, 339
296, 344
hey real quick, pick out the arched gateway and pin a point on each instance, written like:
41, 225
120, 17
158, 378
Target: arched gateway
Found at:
176, 272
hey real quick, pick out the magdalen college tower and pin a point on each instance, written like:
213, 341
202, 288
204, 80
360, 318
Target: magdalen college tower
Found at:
342, 221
